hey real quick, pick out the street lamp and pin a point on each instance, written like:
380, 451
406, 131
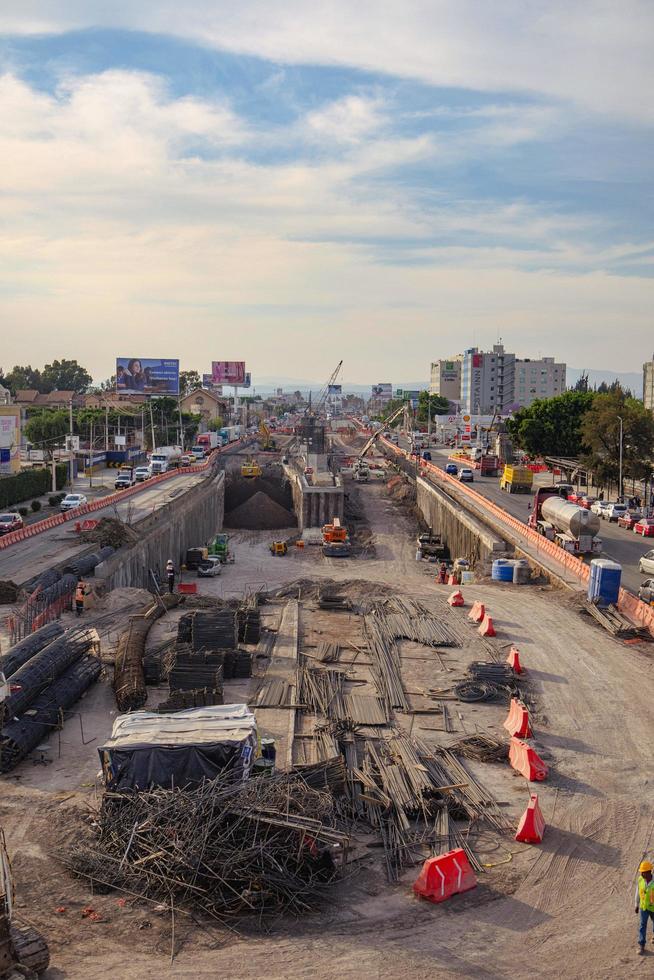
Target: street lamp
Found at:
619, 418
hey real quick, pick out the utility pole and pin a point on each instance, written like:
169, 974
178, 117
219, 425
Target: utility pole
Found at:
620, 477
91, 456
106, 427
71, 454
154, 441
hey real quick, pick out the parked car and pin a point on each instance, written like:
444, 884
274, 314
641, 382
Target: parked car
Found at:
646, 563
599, 507
629, 519
141, 474
586, 502
466, 475
451, 468
427, 455
73, 500
209, 567
123, 481
10, 522
645, 526
614, 511
646, 591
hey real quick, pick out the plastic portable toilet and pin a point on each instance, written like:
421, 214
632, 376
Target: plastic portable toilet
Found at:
604, 581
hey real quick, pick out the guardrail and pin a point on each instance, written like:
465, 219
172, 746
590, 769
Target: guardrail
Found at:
72, 515
629, 604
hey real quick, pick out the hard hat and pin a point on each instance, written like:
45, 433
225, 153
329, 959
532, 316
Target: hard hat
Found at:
645, 866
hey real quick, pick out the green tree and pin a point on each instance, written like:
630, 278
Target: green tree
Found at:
47, 429
213, 425
436, 404
552, 426
601, 434
66, 375
24, 377
582, 383
188, 381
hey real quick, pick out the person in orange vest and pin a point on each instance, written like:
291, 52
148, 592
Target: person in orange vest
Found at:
80, 592
644, 902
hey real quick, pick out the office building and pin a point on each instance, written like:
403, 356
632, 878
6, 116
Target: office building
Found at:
648, 384
445, 378
498, 381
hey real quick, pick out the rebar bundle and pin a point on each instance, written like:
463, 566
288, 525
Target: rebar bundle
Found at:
46, 666
226, 849
129, 677
27, 648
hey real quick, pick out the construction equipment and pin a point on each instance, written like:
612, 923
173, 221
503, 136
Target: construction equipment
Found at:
517, 479
361, 471
335, 540
278, 548
266, 441
334, 531
22, 951
220, 548
384, 425
250, 469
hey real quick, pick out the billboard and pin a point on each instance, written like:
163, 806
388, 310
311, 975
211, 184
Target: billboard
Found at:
9, 439
335, 390
147, 376
382, 392
228, 373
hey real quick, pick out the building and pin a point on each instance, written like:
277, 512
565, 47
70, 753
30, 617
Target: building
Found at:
648, 384
205, 404
113, 399
498, 381
445, 378
29, 398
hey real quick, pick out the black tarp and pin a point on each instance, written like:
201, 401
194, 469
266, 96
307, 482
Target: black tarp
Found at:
179, 766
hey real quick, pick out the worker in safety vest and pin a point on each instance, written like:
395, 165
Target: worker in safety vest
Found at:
644, 902
80, 592
170, 575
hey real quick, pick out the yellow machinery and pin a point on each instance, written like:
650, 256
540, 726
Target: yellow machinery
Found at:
250, 469
265, 438
278, 548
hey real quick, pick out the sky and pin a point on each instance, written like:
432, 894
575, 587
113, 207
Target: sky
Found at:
292, 184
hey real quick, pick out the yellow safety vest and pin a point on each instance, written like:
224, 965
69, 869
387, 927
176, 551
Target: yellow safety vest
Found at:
646, 892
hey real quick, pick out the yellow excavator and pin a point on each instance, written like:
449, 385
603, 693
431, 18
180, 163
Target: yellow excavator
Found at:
266, 440
251, 469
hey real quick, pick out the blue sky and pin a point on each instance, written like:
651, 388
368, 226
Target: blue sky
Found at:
296, 186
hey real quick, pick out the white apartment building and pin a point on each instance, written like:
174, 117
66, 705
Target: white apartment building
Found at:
445, 379
497, 381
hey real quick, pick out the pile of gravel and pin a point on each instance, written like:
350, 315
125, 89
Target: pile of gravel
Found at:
260, 513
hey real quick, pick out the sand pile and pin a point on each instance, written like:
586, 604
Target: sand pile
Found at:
260, 513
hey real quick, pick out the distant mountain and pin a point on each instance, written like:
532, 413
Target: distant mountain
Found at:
266, 385
628, 379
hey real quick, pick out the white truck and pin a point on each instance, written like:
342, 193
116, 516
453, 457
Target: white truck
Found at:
165, 458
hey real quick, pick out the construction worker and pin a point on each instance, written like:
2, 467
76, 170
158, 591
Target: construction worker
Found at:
170, 575
644, 902
442, 573
80, 592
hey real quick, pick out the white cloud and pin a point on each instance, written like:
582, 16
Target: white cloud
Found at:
594, 53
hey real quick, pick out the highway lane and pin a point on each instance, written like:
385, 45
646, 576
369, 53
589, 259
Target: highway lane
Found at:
33, 555
618, 544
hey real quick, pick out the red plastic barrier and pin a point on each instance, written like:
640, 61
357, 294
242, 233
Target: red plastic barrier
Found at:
486, 628
513, 660
187, 588
477, 612
517, 721
444, 876
526, 761
451, 580
532, 823
456, 599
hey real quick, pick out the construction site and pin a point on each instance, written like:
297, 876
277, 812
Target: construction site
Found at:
320, 753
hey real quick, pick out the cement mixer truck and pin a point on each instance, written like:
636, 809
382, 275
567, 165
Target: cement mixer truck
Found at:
571, 527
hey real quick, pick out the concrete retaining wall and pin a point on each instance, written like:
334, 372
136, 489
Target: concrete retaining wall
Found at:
186, 522
465, 536
315, 506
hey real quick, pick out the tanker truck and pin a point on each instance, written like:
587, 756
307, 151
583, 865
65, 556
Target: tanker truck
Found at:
571, 527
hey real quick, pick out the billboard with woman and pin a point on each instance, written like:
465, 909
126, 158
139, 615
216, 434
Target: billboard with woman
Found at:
147, 376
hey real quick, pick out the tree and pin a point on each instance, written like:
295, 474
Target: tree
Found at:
214, 425
65, 375
189, 381
601, 434
552, 426
435, 404
47, 429
582, 383
23, 377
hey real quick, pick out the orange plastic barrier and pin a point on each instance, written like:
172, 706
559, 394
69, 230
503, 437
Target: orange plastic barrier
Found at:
532, 823
451, 580
486, 628
477, 612
444, 876
526, 761
513, 660
187, 588
517, 721
456, 599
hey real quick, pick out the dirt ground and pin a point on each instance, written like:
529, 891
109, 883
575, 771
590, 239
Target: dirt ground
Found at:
564, 908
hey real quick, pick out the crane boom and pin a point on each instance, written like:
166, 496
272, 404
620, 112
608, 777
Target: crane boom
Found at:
391, 418
322, 398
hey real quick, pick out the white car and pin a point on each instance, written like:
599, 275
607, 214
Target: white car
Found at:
141, 473
599, 507
209, 567
646, 563
614, 511
73, 500
466, 475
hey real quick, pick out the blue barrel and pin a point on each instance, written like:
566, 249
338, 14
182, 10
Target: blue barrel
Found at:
604, 581
502, 570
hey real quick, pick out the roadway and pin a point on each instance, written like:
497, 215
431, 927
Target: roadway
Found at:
619, 544
33, 555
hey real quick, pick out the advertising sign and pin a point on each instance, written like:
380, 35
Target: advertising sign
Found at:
9, 439
383, 392
335, 390
228, 373
147, 376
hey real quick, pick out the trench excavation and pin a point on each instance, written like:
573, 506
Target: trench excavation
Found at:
264, 503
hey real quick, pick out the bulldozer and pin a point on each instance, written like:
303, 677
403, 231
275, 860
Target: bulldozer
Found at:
278, 548
23, 951
251, 469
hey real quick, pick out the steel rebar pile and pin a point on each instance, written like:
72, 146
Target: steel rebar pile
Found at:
46, 666
226, 849
214, 630
27, 648
249, 625
322, 692
328, 653
483, 748
201, 669
19, 736
180, 700
129, 677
